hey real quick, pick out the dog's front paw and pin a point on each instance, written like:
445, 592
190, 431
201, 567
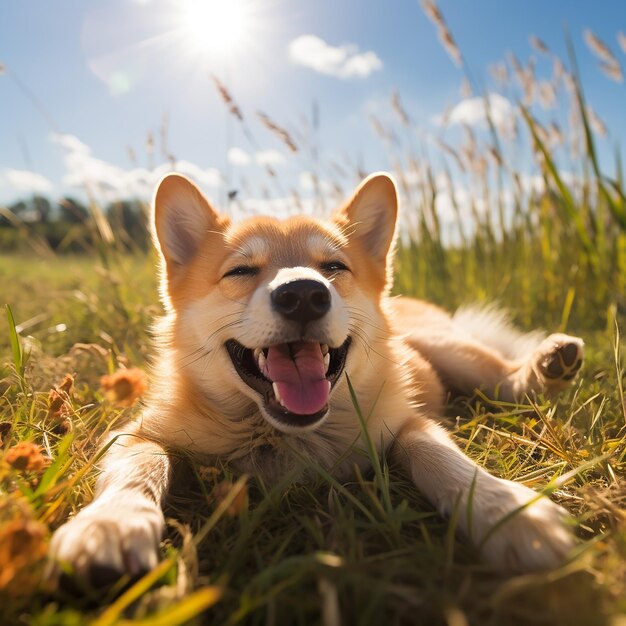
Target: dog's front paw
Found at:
105, 542
515, 539
558, 359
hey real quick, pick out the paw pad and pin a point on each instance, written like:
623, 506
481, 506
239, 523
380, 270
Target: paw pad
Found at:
563, 360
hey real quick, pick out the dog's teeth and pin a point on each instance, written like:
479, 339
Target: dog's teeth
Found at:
257, 351
261, 361
277, 394
324, 349
326, 362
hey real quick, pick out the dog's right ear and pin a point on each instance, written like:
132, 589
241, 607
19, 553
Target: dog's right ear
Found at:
183, 218
369, 219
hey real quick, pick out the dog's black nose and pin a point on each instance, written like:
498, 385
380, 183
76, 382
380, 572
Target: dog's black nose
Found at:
303, 300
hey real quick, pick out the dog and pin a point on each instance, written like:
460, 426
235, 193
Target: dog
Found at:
272, 328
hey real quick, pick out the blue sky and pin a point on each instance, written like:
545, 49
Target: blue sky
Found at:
107, 71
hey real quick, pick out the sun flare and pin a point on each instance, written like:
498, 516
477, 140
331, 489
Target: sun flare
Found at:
215, 27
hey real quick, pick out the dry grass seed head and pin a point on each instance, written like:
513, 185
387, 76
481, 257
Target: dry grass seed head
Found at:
538, 44
448, 42
279, 131
596, 123
598, 47
397, 107
612, 71
379, 129
466, 89
432, 11
499, 73
558, 70
556, 134
227, 98
547, 95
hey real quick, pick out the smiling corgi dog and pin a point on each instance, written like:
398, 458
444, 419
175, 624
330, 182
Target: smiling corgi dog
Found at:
266, 323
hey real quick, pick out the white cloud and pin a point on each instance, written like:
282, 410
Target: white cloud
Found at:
536, 183
210, 177
309, 182
70, 143
111, 182
238, 157
280, 207
25, 181
269, 157
474, 111
343, 62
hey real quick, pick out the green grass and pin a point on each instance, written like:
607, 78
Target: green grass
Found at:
373, 549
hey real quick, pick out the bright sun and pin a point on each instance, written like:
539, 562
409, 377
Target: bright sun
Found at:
215, 27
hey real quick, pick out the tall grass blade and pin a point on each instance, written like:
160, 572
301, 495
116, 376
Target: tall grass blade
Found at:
371, 449
111, 615
14, 340
568, 200
616, 206
180, 613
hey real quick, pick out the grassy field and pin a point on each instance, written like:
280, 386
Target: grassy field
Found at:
237, 551
294, 553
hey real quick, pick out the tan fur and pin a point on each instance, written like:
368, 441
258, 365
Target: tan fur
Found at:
402, 353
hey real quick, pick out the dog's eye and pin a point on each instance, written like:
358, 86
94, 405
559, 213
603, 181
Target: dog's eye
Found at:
334, 266
242, 270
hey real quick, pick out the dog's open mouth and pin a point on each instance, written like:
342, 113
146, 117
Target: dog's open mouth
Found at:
295, 379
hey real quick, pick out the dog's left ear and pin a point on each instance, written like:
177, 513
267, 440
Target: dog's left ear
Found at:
370, 217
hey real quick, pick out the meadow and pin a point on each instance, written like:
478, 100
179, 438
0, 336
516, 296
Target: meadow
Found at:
371, 551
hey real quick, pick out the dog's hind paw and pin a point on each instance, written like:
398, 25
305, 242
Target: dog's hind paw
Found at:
558, 360
103, 544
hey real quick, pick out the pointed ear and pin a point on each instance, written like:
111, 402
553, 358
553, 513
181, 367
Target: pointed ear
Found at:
182, 219
371, 216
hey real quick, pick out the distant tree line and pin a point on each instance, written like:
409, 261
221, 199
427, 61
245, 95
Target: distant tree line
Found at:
68, 225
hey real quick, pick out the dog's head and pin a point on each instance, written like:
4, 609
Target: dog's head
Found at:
275, 310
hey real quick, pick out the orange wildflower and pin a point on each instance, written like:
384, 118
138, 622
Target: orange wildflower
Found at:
238, 505
124, 387
26, 457
59, 405
22, 548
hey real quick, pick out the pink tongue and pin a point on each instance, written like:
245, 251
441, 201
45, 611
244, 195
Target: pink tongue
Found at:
299, 373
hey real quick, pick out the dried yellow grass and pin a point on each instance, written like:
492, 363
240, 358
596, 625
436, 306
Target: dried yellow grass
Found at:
398, 109
433, 13
596, 123
227, 98
279, 131
598, 47
612, 71
538, 45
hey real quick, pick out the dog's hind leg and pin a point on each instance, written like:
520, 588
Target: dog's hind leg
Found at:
465, 364
480, 349
119, 532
